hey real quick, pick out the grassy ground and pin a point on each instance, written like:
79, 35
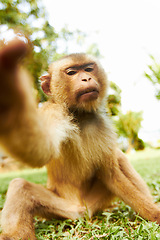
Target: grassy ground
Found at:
119, 223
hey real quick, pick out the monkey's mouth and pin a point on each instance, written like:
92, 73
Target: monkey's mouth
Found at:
88, 94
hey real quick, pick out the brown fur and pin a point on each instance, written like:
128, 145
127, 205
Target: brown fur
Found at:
73, 137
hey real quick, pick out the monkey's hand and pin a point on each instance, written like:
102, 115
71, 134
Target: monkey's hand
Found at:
12, 89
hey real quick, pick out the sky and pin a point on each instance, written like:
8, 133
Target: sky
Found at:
126, 33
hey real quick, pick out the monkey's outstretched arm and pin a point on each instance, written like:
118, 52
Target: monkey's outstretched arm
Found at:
22, 133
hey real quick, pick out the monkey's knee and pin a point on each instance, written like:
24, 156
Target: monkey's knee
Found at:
18, 183
17, 217
18, 188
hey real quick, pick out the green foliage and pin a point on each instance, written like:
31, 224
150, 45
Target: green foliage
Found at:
29, 18
139, 144
114, 100
128, 125
93, 49
154, 76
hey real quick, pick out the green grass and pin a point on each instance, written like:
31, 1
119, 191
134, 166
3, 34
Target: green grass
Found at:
146, 162
119, 223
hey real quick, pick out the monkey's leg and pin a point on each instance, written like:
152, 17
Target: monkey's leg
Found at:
98, 198
25, 200
132, 175
122, 186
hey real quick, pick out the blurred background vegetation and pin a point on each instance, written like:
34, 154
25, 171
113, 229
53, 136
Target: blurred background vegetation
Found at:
29, 18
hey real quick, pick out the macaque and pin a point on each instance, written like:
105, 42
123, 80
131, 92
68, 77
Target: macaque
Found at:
72, 136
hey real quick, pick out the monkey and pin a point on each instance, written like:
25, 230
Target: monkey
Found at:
71, 135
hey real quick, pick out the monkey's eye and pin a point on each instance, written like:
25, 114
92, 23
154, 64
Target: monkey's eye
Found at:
71, 72
89, 69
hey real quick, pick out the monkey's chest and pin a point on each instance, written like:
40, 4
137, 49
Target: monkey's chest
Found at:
82, 155
79, 160
71, 175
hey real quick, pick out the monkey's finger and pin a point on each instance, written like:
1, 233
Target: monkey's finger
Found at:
11, 53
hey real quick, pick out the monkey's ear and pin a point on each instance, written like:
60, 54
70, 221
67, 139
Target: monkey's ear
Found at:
45, 84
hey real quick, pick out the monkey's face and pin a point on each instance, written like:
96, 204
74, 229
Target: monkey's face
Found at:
83, 83
78, 81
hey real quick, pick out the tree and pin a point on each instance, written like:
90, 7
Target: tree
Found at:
128, 125
93, 50
114, 100
28, 17
154, 76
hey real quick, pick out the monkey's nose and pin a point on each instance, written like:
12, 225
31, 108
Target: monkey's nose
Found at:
86, 79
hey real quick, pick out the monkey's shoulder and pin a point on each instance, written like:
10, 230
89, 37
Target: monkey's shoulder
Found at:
53, 114
51, 110
59, 121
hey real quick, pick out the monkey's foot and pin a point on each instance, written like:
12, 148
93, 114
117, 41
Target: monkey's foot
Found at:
75, 212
